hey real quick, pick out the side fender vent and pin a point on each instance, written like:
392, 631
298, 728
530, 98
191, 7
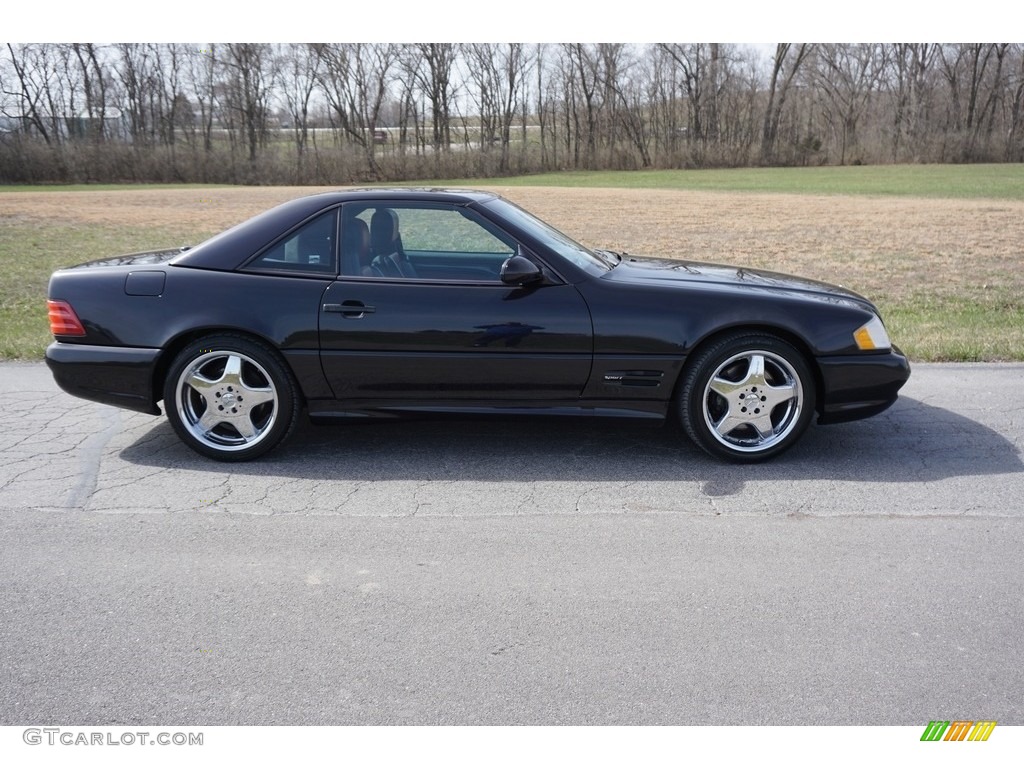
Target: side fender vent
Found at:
634, 378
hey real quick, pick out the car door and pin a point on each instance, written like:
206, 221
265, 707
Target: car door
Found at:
420, 314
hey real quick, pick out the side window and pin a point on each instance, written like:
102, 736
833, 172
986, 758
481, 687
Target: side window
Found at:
448, 231
423, 242
308, 250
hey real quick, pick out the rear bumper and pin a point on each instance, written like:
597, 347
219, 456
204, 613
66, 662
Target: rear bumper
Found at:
121, 376
858, 387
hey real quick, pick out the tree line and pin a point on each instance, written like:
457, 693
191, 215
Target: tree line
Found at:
340, 113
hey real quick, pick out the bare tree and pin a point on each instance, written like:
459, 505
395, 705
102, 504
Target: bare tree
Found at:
1014, 151
35, 107
584, 84
201, 71
174, 105
136, 68
94, 84
498, 75
250, 82
628, 92
375, 69
691, 59
912, 91
785, 64
300, 69
973, 73
68, 110
431, 66
848, 75
355, 79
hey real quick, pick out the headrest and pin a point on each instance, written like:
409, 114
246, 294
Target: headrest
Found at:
357, 234
384, 230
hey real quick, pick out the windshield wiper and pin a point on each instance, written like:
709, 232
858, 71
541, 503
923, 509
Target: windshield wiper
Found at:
612, 258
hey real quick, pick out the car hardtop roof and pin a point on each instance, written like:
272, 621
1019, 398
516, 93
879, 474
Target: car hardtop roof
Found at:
421, 194
227, 249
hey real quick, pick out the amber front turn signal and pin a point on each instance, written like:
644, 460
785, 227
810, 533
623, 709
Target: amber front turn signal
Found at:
872, 335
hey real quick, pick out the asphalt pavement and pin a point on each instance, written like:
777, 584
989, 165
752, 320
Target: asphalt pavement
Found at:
515, 571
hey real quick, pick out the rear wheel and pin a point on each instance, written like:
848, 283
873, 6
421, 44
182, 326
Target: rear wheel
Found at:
230, 398
747, 397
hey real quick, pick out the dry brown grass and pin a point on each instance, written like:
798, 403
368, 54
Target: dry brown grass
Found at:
905, 253
888, 247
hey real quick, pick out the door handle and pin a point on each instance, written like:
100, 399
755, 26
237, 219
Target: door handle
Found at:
350, 308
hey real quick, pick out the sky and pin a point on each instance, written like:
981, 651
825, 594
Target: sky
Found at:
739, 21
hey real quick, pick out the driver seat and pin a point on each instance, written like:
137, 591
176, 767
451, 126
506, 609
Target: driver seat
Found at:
386, 243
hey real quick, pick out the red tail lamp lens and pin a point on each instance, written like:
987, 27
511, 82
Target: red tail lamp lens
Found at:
63, 320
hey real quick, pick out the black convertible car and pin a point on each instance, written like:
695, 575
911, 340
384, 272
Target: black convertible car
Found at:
388, 302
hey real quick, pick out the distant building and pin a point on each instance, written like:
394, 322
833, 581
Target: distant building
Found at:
70, 127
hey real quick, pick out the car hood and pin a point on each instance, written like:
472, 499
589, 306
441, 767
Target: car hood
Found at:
642, 269
146, 258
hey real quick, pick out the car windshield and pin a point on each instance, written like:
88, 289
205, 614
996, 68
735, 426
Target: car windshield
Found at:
564, 246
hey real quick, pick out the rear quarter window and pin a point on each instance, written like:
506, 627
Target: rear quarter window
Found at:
311, 249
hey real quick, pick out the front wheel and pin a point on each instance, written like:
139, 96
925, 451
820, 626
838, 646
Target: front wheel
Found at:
747, 397
230, 398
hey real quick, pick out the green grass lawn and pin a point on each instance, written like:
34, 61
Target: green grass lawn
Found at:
99, 187
930, 329
1004, 182
995, 181
24, 328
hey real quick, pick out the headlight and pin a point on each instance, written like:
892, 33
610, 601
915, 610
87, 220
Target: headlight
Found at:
872, 335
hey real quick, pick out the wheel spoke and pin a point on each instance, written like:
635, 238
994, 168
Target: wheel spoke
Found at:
724, 387
254, 397
243, 423
728, 423
210, 419
755, 371
200, 384
763, 425
232, 371
781, 394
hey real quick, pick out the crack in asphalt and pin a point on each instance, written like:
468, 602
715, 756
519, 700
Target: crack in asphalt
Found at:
933, 454
91, 457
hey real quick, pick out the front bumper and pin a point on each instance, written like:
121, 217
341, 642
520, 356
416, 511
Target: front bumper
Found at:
120, 376
858, 387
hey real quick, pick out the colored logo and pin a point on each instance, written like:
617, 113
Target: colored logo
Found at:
958, 730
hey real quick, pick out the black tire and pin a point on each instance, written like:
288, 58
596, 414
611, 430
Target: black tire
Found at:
231, 398
746, 397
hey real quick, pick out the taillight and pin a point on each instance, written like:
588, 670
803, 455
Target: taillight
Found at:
63, 320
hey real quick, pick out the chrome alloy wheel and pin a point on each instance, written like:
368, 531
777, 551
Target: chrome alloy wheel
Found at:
753, 401
226, 400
